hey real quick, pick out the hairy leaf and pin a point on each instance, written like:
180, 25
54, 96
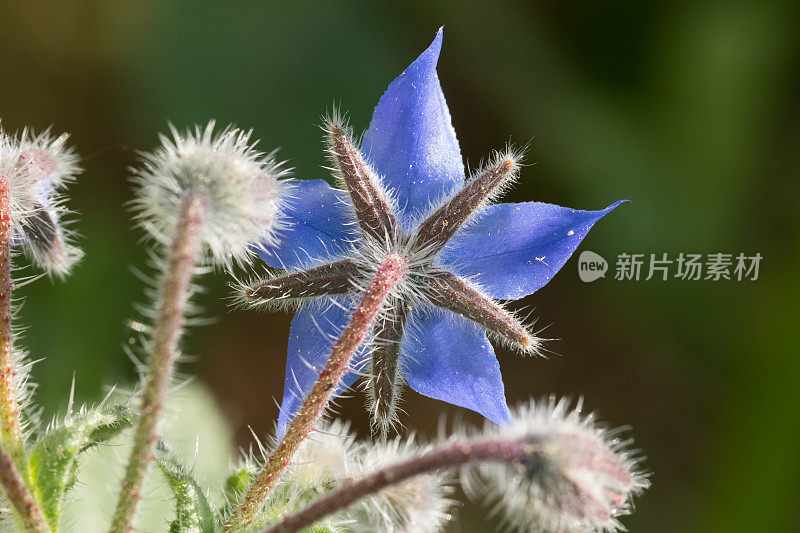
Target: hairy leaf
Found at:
52, 463
193, 512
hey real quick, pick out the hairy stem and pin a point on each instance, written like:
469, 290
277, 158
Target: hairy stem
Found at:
518, 452
391, 270
173, 296
10, 427
27, 509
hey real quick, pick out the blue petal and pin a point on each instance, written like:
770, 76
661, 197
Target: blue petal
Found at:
315, 328
317, 226
513, 250
447, 357
411, 141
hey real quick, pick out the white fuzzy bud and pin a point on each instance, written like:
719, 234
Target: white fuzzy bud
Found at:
37, 168
325, 456
575, 476
416, 505
47, 160
239, 185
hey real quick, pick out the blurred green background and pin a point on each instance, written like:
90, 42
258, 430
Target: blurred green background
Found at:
689, 108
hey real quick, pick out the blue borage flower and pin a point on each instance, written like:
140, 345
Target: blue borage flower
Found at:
405, 191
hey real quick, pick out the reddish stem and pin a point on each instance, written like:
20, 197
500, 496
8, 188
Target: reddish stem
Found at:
391, 270
10, 428
173, 296
498, 450
28, 511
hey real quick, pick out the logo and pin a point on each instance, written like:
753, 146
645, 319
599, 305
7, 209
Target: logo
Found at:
715, 266
591, 266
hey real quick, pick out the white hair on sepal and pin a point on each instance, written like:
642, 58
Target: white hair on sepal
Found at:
22, 191
511, 154
370, 256
419, 504
338, 119
384, 426
385, 415
242, 190
516, 156
295, 289
576, 475
536, 344
535, 347
242, 288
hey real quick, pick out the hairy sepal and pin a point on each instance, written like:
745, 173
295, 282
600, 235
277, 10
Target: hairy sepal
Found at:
289, 290
372, 205
487, 184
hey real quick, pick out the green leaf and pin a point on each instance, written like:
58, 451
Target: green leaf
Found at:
193, 512
52, 464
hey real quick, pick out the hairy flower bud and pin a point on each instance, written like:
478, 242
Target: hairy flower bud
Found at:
324, 459
37, 168
47, 160
239, 186
325, 456
415, 505
573, 476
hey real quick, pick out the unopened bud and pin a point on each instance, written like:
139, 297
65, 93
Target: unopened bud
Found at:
37, 169
572, 476
239, 186
415, 505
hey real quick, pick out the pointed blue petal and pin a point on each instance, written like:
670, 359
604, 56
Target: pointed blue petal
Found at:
315, 328
448, 358
316, 226
411, 141
513, 250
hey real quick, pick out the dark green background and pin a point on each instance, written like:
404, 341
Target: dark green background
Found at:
688, 108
